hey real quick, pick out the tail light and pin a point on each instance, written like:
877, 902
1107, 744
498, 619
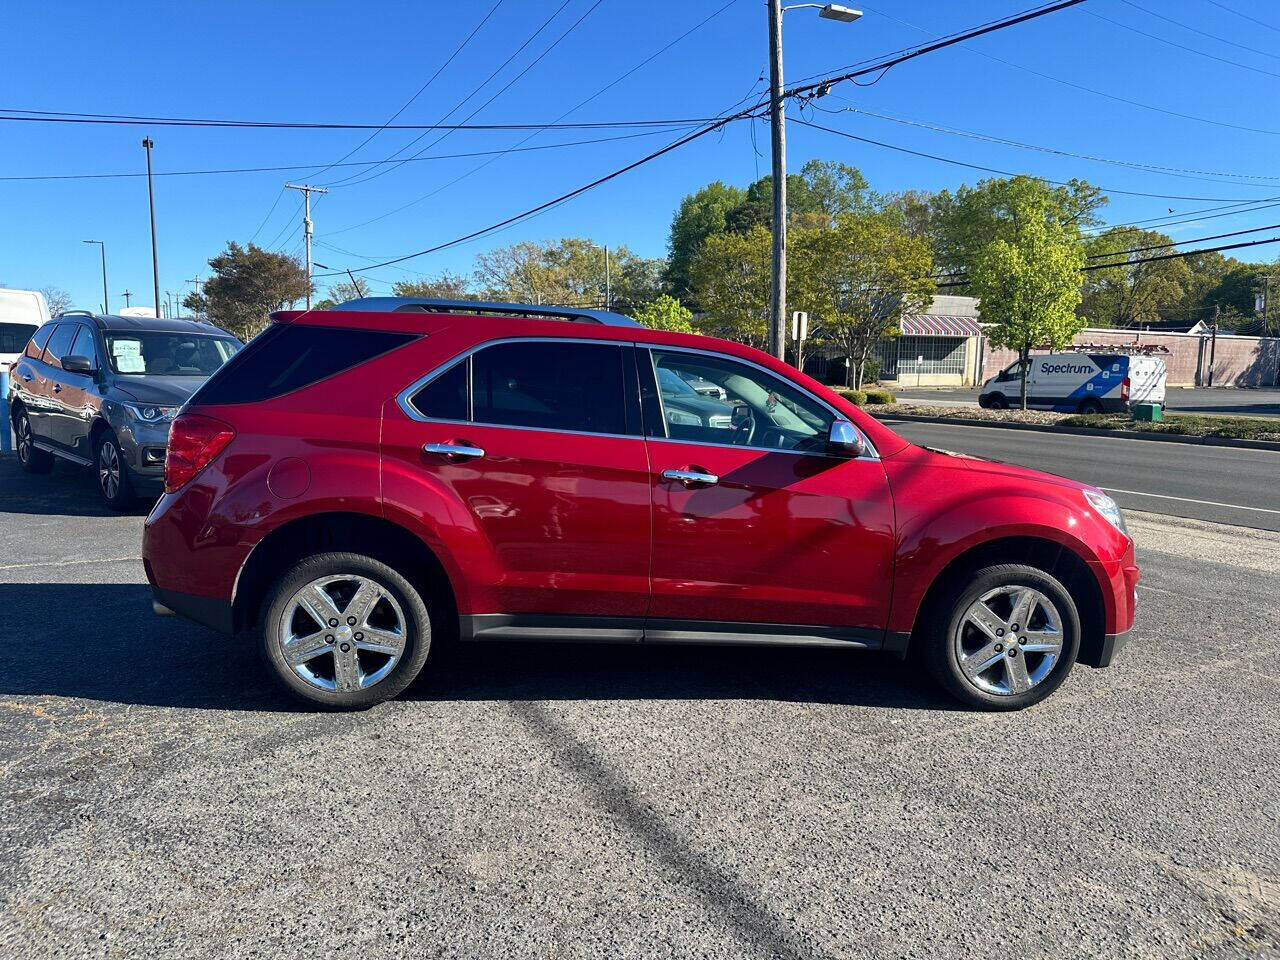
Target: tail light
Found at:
1124, 390
194, 441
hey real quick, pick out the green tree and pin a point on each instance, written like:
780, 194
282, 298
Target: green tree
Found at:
968, 220
700, 215
570, 272
247, 284
666, 313
857, 279
1138, 289
1234, 296
1028, 275
342, 291
730, 280
446, 286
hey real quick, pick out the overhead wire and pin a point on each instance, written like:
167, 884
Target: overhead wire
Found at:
1182, 46
1203, 33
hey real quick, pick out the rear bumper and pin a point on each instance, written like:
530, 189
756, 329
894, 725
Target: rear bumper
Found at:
207, 611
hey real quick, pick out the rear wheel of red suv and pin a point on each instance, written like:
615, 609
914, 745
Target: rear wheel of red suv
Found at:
1003, 638
345, 631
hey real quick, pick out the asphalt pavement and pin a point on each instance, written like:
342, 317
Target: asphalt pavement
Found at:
160, 798
1240, 402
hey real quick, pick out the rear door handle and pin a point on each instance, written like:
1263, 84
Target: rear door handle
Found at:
27, 377
57, 388
456, 451
691, 478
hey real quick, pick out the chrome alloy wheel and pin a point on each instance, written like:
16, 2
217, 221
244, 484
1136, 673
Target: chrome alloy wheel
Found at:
24, 438
342, 632
109, 469
1009, 640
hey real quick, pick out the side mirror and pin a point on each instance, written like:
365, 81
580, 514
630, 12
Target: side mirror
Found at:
78, 364
844, 440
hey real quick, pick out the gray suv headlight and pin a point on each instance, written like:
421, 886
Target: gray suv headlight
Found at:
150, 412
1106, 507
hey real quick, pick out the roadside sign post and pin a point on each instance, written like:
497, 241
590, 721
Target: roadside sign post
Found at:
919, 368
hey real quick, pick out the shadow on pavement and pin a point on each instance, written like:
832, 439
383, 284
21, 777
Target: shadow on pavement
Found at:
68, 491
100, 641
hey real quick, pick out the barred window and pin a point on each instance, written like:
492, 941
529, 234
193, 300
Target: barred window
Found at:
941, 355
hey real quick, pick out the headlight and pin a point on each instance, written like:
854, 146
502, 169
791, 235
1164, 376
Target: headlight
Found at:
687, 419
1107, 508
151, 412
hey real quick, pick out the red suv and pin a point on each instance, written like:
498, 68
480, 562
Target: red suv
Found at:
361, 482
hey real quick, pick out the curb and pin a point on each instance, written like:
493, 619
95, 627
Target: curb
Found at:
1088, 431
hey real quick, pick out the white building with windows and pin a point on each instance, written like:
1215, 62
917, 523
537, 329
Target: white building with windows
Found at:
940, 347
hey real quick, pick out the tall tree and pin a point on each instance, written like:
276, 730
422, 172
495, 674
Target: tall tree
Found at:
700, 215
342, 291
446, 286
570, 271
1235, 295
666, 313
247, 284
1139, 289
1028, 275
57, 300
968, 220
730, 281
858, 278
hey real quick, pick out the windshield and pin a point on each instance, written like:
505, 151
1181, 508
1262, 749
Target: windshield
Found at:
168, 354
672, 383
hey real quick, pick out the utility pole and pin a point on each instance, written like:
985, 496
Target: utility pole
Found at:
195, 285
127, 294
106, 301
151, 201
608, 280
778, 138
306, 191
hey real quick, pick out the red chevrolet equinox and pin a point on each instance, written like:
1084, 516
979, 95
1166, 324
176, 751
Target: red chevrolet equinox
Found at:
358, 483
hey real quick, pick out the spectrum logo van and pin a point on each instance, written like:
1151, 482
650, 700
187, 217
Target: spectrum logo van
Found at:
1079, 383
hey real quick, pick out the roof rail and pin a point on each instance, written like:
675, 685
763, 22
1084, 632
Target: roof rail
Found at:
76, 313
483, 307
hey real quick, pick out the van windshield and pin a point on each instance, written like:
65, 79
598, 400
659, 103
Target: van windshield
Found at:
159, 354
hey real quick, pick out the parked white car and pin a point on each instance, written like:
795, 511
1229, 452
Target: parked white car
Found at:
22, 312
1079, 382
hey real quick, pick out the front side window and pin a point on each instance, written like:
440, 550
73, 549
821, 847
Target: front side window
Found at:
753, 408
1014, 370
160, 354
84, 346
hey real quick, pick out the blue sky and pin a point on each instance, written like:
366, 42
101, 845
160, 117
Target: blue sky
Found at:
328, 61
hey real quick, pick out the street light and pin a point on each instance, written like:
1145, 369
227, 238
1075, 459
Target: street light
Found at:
777, 118
106, 305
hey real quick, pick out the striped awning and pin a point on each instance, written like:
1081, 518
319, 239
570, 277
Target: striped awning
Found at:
937, 325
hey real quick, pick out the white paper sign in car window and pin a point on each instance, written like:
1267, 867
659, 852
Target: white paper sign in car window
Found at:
128, 354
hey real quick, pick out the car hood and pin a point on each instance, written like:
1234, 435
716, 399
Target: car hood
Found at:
1002, 469
171, 391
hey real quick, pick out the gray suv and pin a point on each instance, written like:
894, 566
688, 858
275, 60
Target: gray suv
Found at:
101, 391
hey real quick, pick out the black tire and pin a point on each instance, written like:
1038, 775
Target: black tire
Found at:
111, 473
29, 458
940, 626
416, 631
998, 401
1090, 405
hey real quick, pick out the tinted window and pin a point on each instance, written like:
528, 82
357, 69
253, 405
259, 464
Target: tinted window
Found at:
84, 346
754, 408
445, 397
36, 346
287, 357
60, 343
553, 386
14, 336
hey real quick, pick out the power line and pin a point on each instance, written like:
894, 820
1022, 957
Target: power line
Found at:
1179, 243
1208, 176
1245, 16
1183, 46
430, 80
651, 132
520, 144
1003, 173
724, 121
1230, 210
279, 197
1203, 33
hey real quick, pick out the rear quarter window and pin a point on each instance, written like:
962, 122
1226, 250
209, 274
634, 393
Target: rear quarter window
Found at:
286, 357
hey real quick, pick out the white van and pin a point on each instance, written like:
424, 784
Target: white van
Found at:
1079, 383
21, 313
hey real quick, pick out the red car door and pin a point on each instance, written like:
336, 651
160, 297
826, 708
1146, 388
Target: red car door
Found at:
754, 521
529, 458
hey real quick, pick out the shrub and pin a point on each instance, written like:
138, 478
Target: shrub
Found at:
857, 397
880, 395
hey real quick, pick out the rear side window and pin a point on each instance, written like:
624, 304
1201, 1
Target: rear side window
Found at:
287, 357
60, 343
14, 336
550, 385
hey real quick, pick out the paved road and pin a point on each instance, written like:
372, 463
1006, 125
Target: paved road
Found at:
1222, 484
159, 798
1242, 403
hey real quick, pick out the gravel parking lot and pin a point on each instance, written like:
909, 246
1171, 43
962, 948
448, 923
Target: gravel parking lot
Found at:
161, 799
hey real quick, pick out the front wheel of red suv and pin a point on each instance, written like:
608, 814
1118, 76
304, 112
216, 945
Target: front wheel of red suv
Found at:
345, 631
1003, 638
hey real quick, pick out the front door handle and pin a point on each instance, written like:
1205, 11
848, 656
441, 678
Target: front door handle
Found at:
455, 451
27, 377
57, 388
691, 478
